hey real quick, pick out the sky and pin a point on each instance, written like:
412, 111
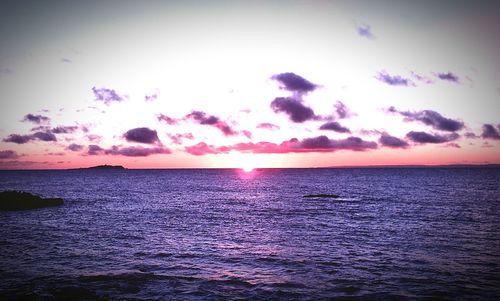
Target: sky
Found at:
254, 84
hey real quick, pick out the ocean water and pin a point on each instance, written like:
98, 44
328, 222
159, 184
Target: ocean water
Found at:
393, 234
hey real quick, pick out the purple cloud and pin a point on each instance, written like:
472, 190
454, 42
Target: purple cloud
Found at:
8, 154
423, 137
342, 110
296, 111
177, 138
334, 126
294, 83
316, 144
142, 135
490, 132
19, 139
133, 151
168, 120
365, 31
392, 142
44, 136
75, 147
106, 95
151, 97
36, 118
205, 119
64, 129
94, 150
431, 118
448, 76
268, 126
394, 80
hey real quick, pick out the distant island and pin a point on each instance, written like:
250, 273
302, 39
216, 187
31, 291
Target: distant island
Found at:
105, 167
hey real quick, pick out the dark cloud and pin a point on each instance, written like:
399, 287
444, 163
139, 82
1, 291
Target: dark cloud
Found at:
168, 120
334, 126
423, 137
268, 126
296, 111
316, 144
471, 135
177, 138
394, 80
44, 136
94, 150
205, 119
365, 31
431, 118
141, 135
392, 142
75, 147
64, 129
36, 118
19, 139
448, 76
294, 83
106, 95
490, 132
8, 154
22, 139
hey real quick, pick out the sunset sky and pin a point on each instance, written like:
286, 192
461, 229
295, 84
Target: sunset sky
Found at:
180, 84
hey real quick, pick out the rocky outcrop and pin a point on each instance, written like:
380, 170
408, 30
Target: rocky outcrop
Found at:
17, 200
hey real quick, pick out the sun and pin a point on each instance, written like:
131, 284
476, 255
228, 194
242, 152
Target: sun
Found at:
247, 168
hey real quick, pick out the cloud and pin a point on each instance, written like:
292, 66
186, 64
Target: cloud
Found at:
8, 154
94, 150
490, 132
44, 136
205, 119
106, 95
394, 80
316, 144
342, 110
296, 111
177, 138
136, 151
38, 119
294, 83
75, 147
22, 139
448, 76
268, 126
392, 142
168, 120
150, 97
423, 137
334, 126
431, 118
64, 129
365, 31
141, 135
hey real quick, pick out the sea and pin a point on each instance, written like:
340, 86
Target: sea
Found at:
226, 234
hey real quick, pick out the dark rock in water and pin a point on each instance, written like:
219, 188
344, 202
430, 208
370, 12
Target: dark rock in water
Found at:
321, 195
16, 200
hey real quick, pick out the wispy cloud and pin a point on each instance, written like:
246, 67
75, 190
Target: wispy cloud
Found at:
392, 142
430, 118
107, 95
211, 120
394, 80
38, 119
268, 126
8, 154
129, 151
22, 139
365, 31
448, 76
423, 137
75, 147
